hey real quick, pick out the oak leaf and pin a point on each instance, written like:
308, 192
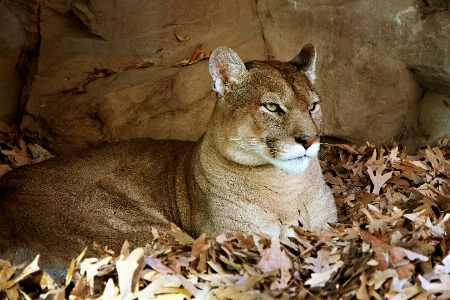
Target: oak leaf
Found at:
379, 277
378, 179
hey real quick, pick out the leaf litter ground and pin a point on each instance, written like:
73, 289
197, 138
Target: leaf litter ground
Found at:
390, 243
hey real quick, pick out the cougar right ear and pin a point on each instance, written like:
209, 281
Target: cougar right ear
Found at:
225, 67
305, 61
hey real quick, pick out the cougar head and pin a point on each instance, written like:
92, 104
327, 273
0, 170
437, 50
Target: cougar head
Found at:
267, 112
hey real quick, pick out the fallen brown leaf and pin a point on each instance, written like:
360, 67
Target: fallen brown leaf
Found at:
182, 39
197, 55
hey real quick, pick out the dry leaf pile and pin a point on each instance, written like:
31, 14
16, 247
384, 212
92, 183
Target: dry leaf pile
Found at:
391, 243
15, 153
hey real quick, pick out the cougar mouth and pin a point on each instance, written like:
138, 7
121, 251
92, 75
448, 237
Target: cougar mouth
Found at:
291, 158
296, 152
293, 165
295, 158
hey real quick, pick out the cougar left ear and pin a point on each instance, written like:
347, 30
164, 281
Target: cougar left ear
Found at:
305, 61
225, 67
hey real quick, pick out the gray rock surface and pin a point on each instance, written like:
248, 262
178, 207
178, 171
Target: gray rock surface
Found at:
12, 39
434, 116
157, 102
383, 66
377, 59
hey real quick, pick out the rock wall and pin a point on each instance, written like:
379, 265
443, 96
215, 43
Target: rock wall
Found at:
12, 39
383, 66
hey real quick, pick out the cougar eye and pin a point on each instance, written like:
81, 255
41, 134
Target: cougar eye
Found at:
272, 107
313, 107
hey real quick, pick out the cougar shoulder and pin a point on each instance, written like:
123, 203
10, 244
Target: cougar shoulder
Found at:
255, 169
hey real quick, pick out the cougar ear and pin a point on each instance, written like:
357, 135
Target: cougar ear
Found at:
305, 61
225, 67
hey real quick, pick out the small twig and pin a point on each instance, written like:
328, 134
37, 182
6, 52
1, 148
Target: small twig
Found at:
311, 248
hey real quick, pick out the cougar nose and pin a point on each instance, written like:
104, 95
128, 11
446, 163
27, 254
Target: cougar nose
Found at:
306, 141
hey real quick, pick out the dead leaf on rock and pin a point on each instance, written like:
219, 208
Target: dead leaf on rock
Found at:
197, 55
142, 65
81, 88
182, 39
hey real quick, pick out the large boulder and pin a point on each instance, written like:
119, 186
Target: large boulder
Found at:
377, 57
157, 102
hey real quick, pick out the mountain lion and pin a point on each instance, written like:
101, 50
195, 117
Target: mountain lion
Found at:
255, 169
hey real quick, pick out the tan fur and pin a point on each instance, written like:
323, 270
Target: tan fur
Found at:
247, 173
